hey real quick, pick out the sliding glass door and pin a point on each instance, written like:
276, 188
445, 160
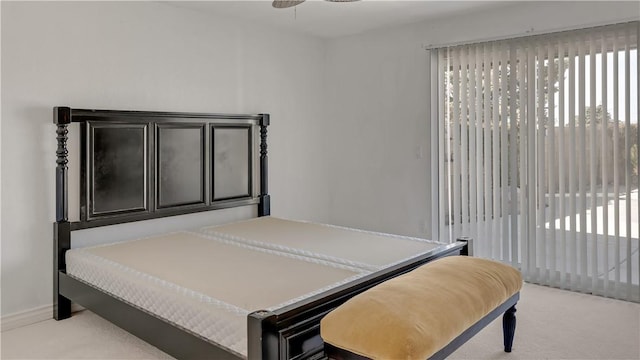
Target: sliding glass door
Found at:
538, 148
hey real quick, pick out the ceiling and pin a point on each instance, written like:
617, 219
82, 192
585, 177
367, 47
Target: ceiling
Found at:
327, 20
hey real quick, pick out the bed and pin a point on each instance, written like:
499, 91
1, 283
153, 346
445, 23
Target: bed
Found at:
252, 289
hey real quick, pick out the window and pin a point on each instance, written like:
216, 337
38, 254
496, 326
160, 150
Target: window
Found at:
538, 149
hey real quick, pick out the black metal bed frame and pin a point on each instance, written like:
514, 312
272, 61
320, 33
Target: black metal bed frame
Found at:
291, 332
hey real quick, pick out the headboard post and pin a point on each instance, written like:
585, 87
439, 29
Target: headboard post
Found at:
62, 243
61, 228
62, 118
264, 209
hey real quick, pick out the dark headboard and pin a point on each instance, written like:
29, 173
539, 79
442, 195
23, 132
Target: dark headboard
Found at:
137, 165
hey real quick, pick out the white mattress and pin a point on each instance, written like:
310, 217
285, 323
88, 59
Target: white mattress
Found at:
205, 281
204, 285
358, 248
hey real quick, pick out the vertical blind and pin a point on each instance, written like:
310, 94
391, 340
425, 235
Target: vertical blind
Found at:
538, 149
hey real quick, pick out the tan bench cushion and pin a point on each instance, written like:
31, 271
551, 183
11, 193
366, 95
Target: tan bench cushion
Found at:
416, 314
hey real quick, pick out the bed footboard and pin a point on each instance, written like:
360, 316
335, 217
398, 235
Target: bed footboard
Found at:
293, 332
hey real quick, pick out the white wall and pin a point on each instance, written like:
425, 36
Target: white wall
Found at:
378, 107
143, 56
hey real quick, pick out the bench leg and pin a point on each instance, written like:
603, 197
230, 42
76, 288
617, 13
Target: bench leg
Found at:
509, 327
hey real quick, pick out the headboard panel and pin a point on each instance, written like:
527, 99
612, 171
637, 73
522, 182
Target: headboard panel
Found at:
115, 169
181, 149
137, 165
232, 147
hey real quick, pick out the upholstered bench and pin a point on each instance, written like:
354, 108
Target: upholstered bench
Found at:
426, 313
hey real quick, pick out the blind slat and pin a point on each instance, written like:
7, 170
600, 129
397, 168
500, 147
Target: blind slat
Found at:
504, 156
488, 199
480, 61
582, 167
616, 175
523, 198
552, 164
495, 162
628, 165
442, 84
561, 165
637, 110
573, 253
455, 146
437, 102
531, 162
473, 125
541, 237
605, 173
592, 165
464, 152
513, 154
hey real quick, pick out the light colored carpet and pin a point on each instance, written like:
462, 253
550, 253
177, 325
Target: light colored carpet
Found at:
559, 324
551, 324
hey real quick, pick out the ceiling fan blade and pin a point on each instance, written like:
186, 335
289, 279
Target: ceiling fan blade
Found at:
281, 4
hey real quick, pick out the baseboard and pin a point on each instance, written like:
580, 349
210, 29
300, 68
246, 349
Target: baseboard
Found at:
32, 316
28, 317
